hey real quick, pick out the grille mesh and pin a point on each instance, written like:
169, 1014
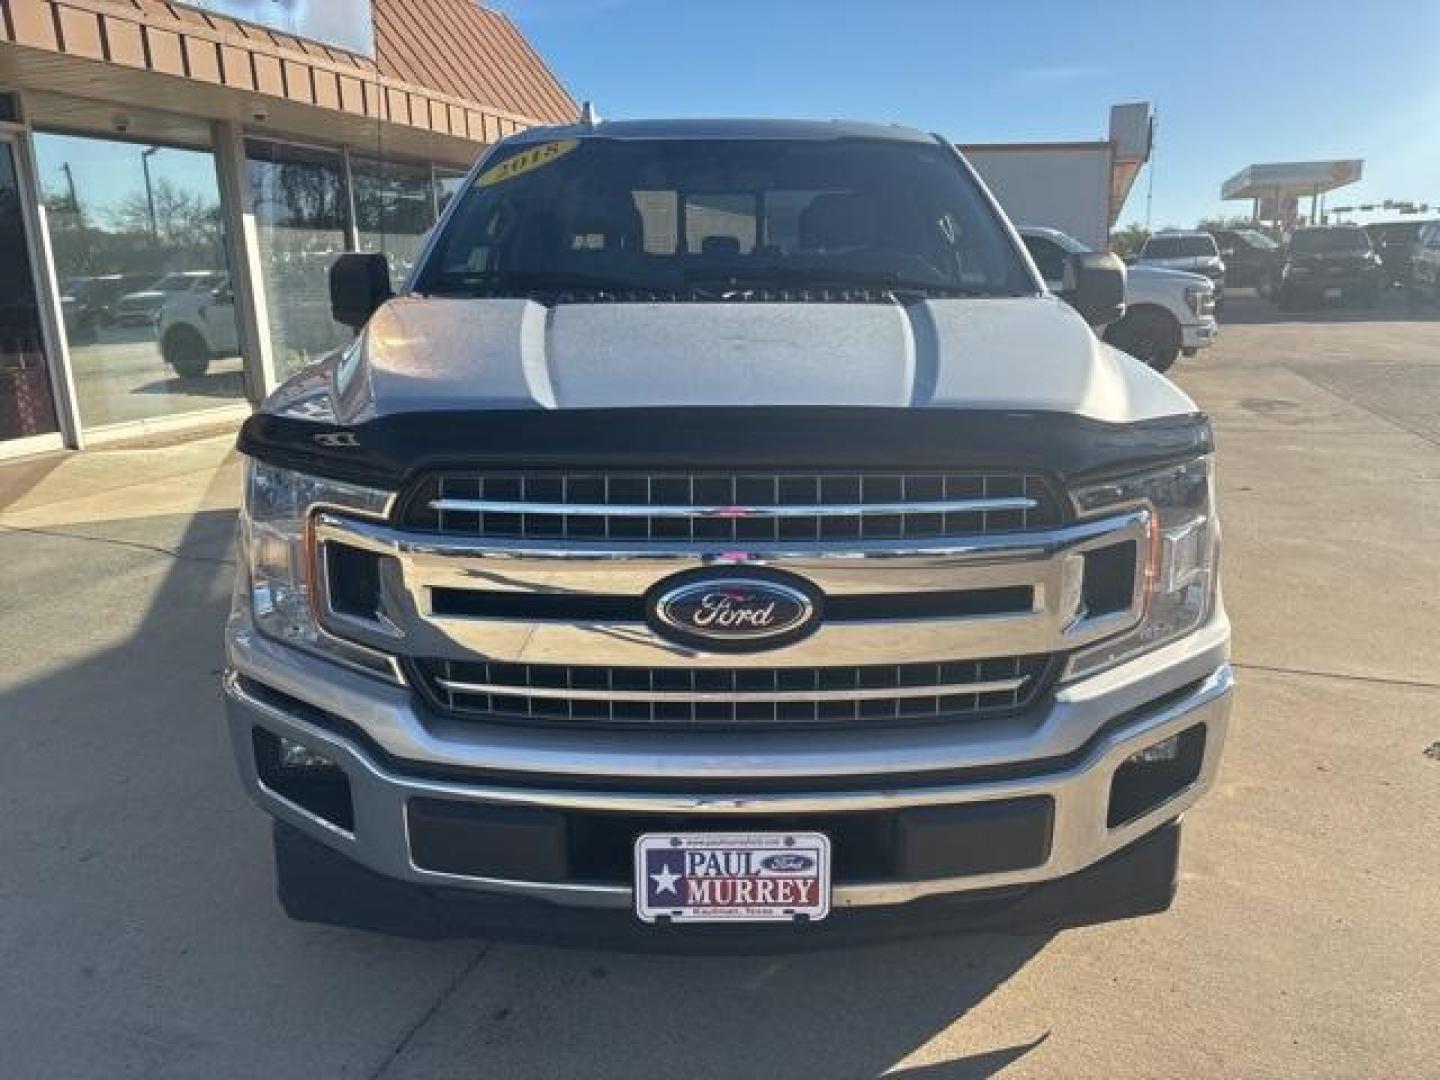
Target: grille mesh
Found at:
683, 697
740, 506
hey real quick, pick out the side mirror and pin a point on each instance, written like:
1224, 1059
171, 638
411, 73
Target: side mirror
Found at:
358, 285
1095, 286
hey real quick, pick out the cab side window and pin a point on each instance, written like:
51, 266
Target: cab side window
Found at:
1049, 259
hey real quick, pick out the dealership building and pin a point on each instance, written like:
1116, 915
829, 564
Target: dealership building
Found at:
175, 179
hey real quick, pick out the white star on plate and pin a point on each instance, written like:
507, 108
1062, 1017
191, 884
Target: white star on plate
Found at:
665, 880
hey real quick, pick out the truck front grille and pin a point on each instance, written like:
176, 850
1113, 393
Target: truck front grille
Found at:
728, 506
698, 697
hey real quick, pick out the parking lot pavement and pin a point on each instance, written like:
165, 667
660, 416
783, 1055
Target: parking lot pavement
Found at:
139, 937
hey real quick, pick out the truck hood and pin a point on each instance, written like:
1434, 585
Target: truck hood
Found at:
1162, 275
1029, 353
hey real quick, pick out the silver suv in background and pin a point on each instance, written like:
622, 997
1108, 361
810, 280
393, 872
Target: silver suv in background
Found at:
1195, 252
1167, 312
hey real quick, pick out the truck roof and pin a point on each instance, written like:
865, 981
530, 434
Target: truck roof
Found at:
723, 129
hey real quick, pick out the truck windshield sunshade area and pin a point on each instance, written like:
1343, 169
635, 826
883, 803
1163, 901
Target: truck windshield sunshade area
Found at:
706, 219
1322, 241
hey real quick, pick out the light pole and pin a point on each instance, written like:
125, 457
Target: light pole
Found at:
145, 156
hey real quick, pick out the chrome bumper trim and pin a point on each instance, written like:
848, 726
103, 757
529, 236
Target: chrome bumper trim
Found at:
393, 717
1080, 793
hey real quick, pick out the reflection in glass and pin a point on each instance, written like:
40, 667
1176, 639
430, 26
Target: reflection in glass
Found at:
394, 209
140, 253
299, 207
26, 407
447, 185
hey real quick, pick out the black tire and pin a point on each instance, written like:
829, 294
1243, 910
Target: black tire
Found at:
185, 350
1148, 334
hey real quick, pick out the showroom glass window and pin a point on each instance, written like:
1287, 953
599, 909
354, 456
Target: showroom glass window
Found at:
140, 255
301, 211
448, 183
26, 405
394, 209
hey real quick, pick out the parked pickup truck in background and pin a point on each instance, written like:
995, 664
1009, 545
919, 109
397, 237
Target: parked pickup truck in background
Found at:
727, 525
1193, 252
1166, 311
1334, 262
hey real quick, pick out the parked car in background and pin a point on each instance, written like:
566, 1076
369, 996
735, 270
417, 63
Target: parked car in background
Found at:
195, 326
1393, 242
1251, 258
1329, 262
141, 308
1195, 252
82, 320
1425, 262
1167, 312
88, 302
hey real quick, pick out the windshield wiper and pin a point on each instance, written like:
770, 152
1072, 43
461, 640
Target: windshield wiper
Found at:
489, 282
790, 277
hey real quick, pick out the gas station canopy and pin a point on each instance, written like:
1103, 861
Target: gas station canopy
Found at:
1291, 178
1277, 187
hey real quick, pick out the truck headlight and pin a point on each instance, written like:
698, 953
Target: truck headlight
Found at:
1201, 299
278, 556
1181, 563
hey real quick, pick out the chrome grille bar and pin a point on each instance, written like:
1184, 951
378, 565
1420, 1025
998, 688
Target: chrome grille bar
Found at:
719, 506
650, 697
992, 686
624, 510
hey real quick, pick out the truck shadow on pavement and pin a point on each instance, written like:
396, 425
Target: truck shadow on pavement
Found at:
143, 938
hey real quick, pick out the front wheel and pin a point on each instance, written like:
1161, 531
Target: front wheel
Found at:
185, 350
1151, 336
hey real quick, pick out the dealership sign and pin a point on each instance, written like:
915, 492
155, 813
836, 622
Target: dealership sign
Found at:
346, 24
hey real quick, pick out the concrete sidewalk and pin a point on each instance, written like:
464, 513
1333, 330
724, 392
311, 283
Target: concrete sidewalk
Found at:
139, 937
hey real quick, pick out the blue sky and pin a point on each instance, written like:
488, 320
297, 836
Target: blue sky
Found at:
1233, 83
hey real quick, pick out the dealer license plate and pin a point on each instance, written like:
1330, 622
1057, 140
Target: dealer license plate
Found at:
1334, 293
732, 877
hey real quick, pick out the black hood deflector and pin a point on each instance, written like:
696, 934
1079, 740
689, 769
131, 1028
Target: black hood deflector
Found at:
389, 451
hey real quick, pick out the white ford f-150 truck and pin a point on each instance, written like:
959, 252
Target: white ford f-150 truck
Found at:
726, 525
1167, 312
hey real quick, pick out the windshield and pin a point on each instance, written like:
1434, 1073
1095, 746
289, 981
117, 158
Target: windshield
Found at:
1257, 239
1316, 241
705, 218
1178, 247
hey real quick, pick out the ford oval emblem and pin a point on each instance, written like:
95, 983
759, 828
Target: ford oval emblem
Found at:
787, 863
734, 612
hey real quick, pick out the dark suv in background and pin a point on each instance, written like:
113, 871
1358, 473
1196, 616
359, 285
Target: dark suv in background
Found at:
1251, 257
1424, 279
1393, 242
1335, 262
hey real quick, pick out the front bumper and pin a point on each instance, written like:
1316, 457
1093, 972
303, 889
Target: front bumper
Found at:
1199, 335
391, 755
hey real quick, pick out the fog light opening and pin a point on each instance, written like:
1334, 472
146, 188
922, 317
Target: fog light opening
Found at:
1154, 775
308, 779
